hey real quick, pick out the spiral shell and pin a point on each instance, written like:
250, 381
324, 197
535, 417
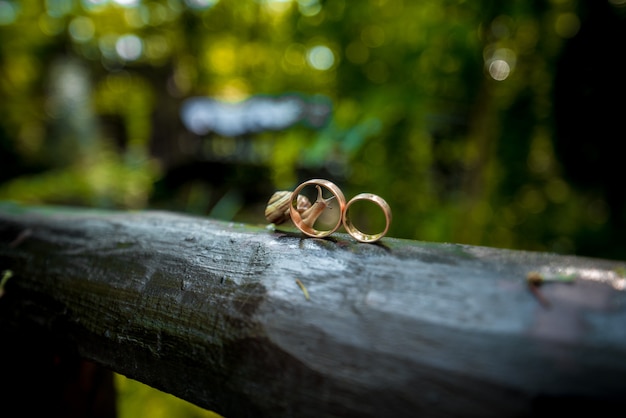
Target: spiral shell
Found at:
277, 209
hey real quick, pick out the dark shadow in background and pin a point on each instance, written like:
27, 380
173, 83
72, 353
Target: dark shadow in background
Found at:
590, 113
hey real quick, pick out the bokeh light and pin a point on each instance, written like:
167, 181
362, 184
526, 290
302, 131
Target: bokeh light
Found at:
499, 69
200, 4
309, 7
8, 12
567, 25
321, 57
127, 3
500, 62
82, 29
129, 47
59, 8
94, 5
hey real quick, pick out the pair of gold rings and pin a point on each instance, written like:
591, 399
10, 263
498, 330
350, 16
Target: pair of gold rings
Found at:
304, 214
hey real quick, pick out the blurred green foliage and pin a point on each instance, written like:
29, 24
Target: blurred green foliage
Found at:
479, 122
445, 108
134, 399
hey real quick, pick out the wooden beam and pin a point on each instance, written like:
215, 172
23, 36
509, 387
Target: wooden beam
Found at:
249, 321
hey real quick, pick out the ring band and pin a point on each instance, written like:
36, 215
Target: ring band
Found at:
305, 224
353, 231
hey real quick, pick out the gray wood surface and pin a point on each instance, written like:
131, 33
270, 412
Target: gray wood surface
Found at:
253, 322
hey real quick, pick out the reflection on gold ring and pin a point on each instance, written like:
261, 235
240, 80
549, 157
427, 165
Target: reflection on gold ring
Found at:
305, 221
354, 231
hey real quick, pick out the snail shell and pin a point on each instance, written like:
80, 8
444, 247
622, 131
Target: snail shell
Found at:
277, 209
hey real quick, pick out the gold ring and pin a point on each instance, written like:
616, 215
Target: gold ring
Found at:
353, 231
305, 220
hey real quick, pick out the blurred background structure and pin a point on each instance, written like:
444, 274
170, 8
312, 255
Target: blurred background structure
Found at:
480, 122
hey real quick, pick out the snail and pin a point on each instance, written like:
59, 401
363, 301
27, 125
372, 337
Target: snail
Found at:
277, 209
310, 215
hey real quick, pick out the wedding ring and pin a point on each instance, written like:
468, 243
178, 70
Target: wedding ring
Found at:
305, 221
353, 231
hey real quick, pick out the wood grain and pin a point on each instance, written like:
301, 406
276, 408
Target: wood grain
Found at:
253, 322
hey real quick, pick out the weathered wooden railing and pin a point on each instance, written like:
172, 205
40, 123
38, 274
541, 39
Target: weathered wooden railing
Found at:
247, 321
